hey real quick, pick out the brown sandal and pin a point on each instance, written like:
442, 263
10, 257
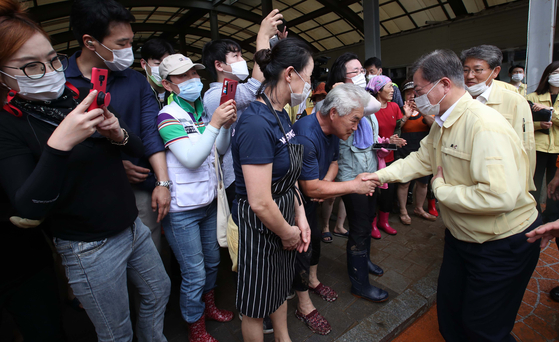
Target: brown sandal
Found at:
405, 219
425, 215
325, 292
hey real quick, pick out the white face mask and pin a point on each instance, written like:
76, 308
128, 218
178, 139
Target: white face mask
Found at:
517, 77
238, 69
478, 89
425, 107
154, 77
359, 80
47, 88
553, 80
318, 105
297, 99
122, 59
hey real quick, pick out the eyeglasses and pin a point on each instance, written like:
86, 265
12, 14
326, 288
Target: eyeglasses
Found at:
36, 70
475, 71
358, 71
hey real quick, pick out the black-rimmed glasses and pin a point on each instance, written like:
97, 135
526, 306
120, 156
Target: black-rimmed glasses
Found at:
36, 70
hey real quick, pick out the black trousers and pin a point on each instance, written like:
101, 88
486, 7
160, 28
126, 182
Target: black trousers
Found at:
386, 196
312, 255
545, 162
34, 307
481, 286
361, 211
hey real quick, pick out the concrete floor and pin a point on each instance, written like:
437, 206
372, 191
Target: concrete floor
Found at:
406, 258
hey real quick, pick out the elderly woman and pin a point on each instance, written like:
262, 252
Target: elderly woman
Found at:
388, 115
61, 161
268, 210
356, 156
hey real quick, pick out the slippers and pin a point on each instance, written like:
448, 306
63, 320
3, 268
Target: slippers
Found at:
405, 219
326, 292
344, 235
326, 237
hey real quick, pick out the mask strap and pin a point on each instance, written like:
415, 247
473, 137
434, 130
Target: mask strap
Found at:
73, 89
8, 107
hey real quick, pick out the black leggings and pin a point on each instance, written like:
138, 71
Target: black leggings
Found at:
545, 163
361, 211
312, 255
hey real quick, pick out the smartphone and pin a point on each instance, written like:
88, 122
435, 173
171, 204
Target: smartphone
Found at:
386, 146
228, 91
99, 82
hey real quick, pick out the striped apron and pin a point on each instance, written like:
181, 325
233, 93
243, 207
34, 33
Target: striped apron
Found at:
265, 269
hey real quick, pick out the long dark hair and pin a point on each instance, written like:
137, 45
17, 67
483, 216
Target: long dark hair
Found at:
543, 87
338, 71
287, 52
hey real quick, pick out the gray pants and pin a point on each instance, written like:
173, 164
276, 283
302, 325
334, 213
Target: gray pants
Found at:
148, 217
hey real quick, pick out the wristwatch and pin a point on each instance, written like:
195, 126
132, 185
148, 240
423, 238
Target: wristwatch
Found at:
166, 184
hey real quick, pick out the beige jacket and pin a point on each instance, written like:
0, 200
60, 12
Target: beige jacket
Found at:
516, 110
484, 195
548, 143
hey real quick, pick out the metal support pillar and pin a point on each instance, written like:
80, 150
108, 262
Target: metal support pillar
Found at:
541, 30
267, 7
214, 25
371, 28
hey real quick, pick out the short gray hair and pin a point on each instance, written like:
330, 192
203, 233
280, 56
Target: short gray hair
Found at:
345, 98
438, 64
489, 53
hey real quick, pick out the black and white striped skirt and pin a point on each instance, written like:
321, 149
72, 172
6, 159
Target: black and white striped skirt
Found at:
265, 269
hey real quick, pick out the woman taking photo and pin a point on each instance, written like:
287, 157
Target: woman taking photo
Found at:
61, 162
268, 210
357, 156
382, 89
546, 133
191, 224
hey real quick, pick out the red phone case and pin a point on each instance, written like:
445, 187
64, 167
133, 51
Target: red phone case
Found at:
99, 82
228, 91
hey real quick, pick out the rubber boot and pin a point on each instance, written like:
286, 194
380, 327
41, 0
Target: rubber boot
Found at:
373, 269
383, 223
432, 208
212, 312
375, 233
198, 331
358, 271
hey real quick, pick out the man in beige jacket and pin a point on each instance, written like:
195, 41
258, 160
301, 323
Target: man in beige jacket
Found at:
481, 181
482, 65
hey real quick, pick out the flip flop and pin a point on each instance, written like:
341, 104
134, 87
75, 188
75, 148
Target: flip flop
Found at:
344, 235
326, 237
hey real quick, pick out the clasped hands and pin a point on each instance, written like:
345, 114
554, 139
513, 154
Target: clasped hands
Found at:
372, 179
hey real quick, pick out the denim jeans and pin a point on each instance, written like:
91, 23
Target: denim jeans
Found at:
193, 239
97, 272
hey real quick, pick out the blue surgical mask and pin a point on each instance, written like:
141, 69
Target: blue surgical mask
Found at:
190, 90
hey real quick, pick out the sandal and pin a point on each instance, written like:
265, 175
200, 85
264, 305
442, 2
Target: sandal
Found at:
405, 219
326, 237
344, 235
325, 292
315, 322
425, 215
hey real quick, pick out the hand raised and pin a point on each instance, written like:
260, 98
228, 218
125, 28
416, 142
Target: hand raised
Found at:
76, 126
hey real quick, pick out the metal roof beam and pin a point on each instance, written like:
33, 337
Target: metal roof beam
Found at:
458, 8
345, 12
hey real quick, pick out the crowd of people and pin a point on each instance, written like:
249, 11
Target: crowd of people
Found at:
98, 183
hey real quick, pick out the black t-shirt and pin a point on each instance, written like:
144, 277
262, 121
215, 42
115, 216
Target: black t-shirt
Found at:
83, 194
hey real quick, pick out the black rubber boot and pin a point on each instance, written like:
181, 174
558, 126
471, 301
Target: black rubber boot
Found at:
358, 270
373, 269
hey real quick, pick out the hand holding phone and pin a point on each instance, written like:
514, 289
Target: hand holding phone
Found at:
99, 78
228, 91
